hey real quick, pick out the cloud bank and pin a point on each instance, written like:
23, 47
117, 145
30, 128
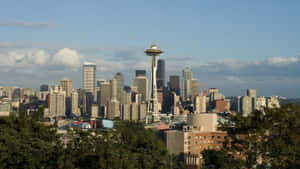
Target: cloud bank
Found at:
21, 66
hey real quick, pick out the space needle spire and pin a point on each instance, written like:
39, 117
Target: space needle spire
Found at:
153, 113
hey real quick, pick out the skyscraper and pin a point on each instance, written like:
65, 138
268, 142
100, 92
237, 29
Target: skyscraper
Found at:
66, 85
194, 87
120, 84
251, 93
160, 76
104, 93
140, 73
44, 88
57, 106
141, 82
99, 82
114, 89
174, 84
186, 83
89, 76
113, 106
75, 109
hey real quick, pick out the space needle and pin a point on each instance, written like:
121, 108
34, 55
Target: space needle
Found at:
153, 113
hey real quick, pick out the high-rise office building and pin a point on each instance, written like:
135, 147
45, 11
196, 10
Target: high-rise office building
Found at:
44, 88
194, 87
99, 82
125, 97
113, 105
75, 106
273, 102
260, 103
174, 84
57, 103
114, 89
66, 85
200, 104
246, 105
141, 82
140, 73
186, 83
251, 93
160, 75
27, 91
89, 76
120, 84
104, 93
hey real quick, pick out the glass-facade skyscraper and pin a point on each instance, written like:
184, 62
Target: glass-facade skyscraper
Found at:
89, 76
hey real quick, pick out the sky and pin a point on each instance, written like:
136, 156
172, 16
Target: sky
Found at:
231, 45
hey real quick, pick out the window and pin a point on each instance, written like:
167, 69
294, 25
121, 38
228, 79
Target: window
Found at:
218, 137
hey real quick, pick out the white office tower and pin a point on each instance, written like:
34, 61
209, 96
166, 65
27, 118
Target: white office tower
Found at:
75, 109
200, 104
153, 112
246, 107
89, 76
66, 85
141, 82
57, 106
273, 102
186, 83
260, 103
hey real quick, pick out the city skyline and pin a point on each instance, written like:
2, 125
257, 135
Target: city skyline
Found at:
224, 43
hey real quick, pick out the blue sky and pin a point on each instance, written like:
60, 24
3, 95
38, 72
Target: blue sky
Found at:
225, 42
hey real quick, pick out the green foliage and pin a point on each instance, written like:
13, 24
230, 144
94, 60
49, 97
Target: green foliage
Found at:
129, 146
214, 159
268, 139
26, 143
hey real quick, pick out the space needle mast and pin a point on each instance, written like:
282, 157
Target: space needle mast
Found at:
153, 113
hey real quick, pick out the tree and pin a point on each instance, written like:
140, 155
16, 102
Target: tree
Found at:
214, 159
267, 139
25, 143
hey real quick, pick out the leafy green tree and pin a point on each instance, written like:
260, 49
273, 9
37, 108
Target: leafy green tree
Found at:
25, 143
267, 139
214, 159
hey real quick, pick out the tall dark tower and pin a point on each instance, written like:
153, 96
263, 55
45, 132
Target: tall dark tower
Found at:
160, 76
174, 84
140, 73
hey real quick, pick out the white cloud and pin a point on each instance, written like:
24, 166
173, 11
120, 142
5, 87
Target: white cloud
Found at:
282, 60
68, 57
39, 57
17, 57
